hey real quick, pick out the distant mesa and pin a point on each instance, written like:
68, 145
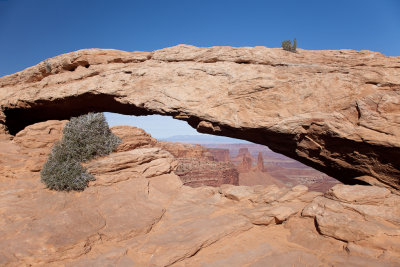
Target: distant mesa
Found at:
243, 152
269, 168
204, 139
220, 154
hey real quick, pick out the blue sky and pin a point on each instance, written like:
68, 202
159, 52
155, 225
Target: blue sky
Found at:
33, 30
158, 126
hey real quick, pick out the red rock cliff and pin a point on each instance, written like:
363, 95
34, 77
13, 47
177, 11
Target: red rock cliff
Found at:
260, 162
220, 154
194, 172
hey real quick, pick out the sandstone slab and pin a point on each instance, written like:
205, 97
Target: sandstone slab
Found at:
237, 193
39, 226
132, 138
358, 194
363, 218
138, 213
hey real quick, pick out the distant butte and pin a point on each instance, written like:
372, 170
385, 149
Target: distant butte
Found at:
336, 111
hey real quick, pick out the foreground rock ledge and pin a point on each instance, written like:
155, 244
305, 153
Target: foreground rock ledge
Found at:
337, 111
138, 213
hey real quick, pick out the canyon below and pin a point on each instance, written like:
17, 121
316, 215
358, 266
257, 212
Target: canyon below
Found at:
161, 203
255, 165
265, 167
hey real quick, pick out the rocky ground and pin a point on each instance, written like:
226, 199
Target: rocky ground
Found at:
138, 213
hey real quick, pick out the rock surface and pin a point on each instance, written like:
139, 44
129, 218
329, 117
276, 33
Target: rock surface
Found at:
132, 137
220, 154
179, 150
259, 178
198, 172
28, 150
337, 111
194, 164
138, 213
272, 168
362, 216
260, 162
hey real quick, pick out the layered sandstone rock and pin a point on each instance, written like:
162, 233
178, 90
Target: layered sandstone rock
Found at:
243, 160
337, 111
362, 216
132, 137
198, 166
220, 154
198, 172
194, 164
245, 165
179, 150
138, 213
243, 152
260, 162
39, 226
28, 150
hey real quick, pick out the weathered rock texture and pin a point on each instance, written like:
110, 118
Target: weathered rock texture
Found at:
132, 137
260, 162
39, 226
197, 172
243, 161
138, 213
179, 150
194, 164
337, 111
273, 168
220, 154
360, 215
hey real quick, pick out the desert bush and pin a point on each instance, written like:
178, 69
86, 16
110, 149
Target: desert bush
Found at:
288, 46
84, 138
89, 136
63, 173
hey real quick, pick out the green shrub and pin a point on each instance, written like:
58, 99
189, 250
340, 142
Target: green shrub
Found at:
287, 45
84, 138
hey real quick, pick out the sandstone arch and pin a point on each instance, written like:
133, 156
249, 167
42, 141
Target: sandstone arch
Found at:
337, 111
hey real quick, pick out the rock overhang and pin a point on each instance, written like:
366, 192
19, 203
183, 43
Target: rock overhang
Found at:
337, 111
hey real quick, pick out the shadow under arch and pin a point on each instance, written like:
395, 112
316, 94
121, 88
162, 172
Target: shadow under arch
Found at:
18, 117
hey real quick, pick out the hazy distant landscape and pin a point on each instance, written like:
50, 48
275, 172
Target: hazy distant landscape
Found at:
204, 139
277, 167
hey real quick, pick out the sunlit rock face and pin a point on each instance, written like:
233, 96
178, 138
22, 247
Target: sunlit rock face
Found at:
197, 166
138, 213
337, 111
198, 172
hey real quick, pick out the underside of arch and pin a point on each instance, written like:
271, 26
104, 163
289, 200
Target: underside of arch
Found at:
324, 115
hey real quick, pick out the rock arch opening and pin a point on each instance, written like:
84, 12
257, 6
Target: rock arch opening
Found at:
26, 113
214, 160
329, 115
